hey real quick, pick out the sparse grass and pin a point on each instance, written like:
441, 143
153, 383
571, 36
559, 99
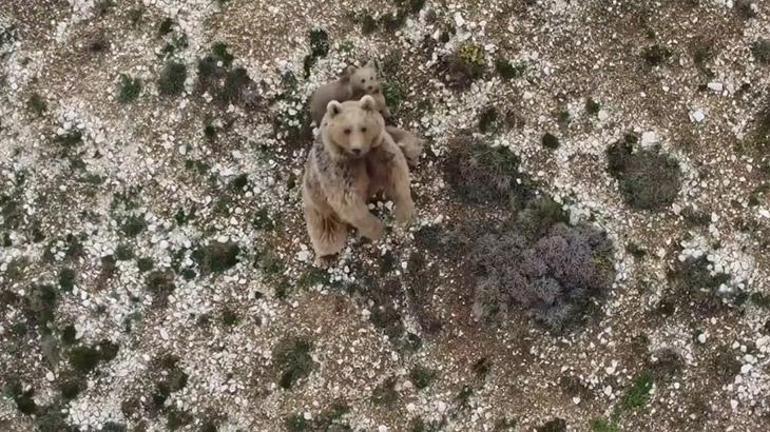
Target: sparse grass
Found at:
135, 15
145, 264
262, 220
648, 179
422, 377
638, 394
236, 81
550, 141
761, 51
69, 139
172, 78
603, 425
292, 358
128, 89
84, 359
37, 104
220, 53
22, 398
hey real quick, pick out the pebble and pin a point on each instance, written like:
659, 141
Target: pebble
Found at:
716, 86
697, 116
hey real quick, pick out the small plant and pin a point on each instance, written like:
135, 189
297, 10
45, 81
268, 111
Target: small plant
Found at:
649, 180
22, 398
129, 88
135, 15
385, 393
236, 81
761, 51
292, 358
656, 55
84, 359
230, 318
133, 226
145, 264
67, 279
395, 94
550, 141
177, 418
165, 27
421, 377
555, 425
160, 284
319, 47
216, 257
37, 104
464, 66
592, 107
488, 120
172, 78
69, 139
508, 70
103, 7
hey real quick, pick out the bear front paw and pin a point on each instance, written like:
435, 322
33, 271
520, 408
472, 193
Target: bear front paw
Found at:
374, 231
405, 213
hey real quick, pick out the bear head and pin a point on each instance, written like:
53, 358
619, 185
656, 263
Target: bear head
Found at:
351, 129
364, 79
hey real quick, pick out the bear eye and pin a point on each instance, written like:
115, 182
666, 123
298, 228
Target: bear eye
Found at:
363, 80
363, 129
347, 131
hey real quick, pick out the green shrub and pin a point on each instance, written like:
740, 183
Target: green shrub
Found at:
129, 89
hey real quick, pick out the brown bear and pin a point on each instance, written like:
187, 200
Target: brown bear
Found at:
353, 159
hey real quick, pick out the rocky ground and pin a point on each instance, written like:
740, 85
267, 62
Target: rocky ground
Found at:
590, 253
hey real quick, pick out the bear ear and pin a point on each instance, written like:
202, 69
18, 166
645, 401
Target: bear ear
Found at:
367, 103
371, 64
348, 72
333, 108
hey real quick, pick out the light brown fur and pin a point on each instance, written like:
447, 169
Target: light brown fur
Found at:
354, 83
354, 159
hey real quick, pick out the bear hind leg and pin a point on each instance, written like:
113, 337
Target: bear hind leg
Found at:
327, 234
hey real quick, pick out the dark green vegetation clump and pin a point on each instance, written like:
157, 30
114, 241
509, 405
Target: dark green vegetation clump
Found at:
648, 179
129, 88
37, 104
761, 51
508, 70
84, 359
593, 107
227, 85
422, 377
160, 283
172, 78
480, 174
550, 141
489, 120
656, 55
292, 358
216, 257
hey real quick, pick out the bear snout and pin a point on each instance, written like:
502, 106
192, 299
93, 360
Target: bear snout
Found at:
356, 152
